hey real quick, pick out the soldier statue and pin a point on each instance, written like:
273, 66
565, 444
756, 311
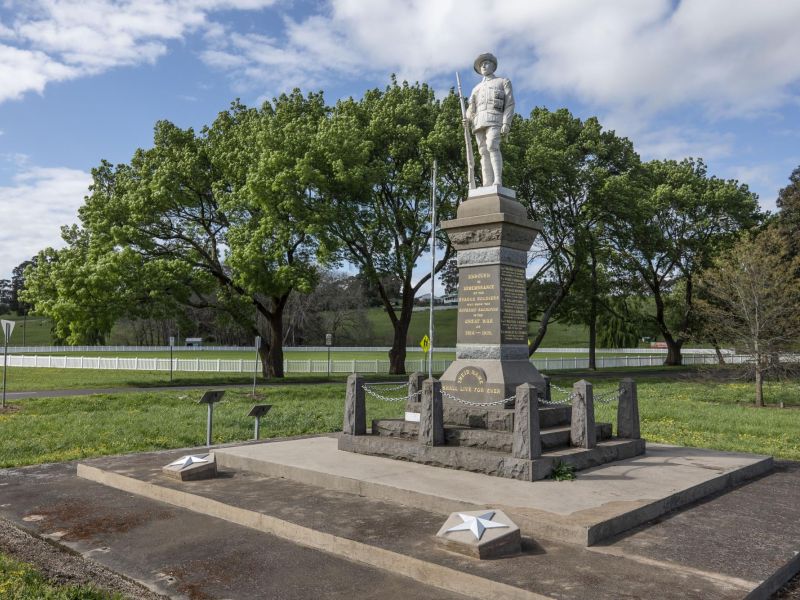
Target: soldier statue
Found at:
489, 112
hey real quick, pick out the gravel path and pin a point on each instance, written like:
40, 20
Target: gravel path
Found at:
62, 567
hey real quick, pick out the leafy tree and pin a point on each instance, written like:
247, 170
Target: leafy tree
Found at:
789, 216
380, 151
5, 295
86, 287
680, 220
750, 302
226, 218
449, 276
567, 172
16, 303
337, 305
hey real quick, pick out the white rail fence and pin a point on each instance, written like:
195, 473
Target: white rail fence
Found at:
221, 365
333, 349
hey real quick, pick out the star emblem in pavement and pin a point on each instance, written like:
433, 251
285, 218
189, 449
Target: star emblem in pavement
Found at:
477, 524
185, 461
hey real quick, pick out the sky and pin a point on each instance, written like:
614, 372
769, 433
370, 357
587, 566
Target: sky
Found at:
86, 80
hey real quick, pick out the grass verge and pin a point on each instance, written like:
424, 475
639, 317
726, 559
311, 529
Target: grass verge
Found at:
706, 415
21, 581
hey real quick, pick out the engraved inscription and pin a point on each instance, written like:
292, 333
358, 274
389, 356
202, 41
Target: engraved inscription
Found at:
479, 305
470, 383
514, 302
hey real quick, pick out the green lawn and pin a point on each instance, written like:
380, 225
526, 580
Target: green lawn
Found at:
37, 331
60, 429
21, 581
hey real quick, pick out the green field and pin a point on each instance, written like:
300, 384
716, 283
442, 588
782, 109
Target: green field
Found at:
705, 415
36, 332
30, 331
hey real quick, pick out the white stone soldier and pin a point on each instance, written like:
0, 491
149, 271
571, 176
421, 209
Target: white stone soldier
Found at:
489, 112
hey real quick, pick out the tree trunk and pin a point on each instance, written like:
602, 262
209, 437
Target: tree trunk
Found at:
674, 357
720, 355
397, 354
759, 385
275, 358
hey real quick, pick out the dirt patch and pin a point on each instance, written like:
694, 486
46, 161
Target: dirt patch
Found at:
9, 409
81, 522
213, 572
66, 568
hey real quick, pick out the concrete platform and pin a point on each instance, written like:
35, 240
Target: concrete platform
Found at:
740, 544
601, 502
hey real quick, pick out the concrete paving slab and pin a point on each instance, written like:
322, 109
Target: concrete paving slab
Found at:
184, 554
401, 539
601, 502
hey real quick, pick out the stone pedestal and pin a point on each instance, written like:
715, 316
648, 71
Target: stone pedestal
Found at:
492, 235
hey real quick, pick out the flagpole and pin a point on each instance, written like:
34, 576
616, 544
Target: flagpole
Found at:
433, 267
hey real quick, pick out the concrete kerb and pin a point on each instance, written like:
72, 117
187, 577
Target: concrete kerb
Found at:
432, 574
581, 527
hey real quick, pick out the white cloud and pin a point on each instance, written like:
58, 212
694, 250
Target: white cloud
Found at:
56, 40
34, 207
727, 57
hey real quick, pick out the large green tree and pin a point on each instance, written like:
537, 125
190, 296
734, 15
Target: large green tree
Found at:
379, 151
226, 217
678, 221
567, 172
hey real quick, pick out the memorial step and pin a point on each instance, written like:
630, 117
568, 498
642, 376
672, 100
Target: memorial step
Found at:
497, 419
482, 439
491, 462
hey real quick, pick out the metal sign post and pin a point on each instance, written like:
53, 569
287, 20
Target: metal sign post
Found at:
433, 266
258, 411
329, 343
209, 398
171, 344
8, 328
255, 367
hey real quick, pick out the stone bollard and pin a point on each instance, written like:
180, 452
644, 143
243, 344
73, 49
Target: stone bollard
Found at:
628, 410
547, 396
431, 418
527, 440
355, 410
582, 431
415, 385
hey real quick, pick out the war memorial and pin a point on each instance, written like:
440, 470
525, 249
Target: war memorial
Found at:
458, 499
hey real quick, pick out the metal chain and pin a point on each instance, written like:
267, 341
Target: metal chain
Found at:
467, 402
386, 389
405, 398
606, 398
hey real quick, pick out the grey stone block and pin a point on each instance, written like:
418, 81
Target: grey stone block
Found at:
493, 256
583, 433
431, 418
414, 387
355, 409
527, 442
628, 410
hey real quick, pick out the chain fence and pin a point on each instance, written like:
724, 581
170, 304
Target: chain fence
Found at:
471, 403
369, 389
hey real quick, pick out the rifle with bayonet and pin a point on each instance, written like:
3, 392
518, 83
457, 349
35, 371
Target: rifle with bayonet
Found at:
467, 136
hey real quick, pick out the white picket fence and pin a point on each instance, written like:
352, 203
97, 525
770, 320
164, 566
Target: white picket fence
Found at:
217, 365
333, 349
